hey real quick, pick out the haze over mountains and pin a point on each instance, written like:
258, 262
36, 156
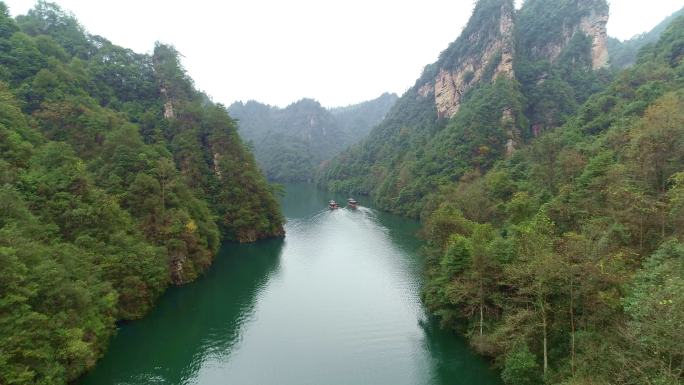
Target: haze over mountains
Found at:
291, 143
624, 53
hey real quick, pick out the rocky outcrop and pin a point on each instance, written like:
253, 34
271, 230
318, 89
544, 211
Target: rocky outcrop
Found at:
594, 26
495, 57
176, 267
449, 89
513, 134
168, 110
168, 105
451, 84
426, 89
217, 169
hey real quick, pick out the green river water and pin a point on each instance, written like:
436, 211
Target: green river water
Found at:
337, 302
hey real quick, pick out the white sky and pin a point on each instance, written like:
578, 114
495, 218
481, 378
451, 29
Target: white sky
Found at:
278, 51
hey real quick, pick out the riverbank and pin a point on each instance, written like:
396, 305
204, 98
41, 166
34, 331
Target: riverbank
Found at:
335, 302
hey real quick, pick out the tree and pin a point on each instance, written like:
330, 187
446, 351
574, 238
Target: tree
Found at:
537, 271
521, 368
655, 307
657, 148
165, 170
482, 265
573, 249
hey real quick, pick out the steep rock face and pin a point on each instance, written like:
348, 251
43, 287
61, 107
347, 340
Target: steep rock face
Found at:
168, 110
589, 17
494, 59
512, 133
486, 51
169, 113
594, 26
508, 77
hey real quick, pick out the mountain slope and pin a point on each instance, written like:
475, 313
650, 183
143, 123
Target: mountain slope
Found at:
565, 262
551, 194
117, 178
624, 53
501, 83
357, 120
291, 143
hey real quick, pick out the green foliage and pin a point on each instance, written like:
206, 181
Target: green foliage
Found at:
103, 201
655, 310
485, 21
553, 65
408, 167
48, 19
521, 368
561, 260
412, 153
564, 261
542, 24
290, 144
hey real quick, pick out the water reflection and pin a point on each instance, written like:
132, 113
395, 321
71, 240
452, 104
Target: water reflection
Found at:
192, 323
336, 302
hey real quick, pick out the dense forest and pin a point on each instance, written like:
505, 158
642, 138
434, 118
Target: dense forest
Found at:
291, 143
551, 192
117, 178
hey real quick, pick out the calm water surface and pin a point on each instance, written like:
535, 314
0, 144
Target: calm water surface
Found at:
334, 303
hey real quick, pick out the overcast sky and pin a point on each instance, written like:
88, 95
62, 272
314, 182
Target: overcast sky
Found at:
278, 51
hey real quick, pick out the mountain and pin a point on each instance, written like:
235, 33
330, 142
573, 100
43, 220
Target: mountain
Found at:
117, 178
565, 261
550, 190
509, 77
357, 120
624, 53
291, 143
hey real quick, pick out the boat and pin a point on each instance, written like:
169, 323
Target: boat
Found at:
352, 203
332, 205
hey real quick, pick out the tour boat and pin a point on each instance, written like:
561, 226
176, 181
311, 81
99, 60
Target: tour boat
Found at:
332, 205
352, 203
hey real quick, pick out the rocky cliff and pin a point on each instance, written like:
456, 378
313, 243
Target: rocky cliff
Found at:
509, 76
494, 40
491, 56
594, 26
588, 17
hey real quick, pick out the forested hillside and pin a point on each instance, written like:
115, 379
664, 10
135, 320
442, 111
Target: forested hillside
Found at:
566, 262
550, 189
624, 53
357, 120
507, 78
117, 178
291, 143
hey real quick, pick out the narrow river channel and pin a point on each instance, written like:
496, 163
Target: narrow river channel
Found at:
337, 302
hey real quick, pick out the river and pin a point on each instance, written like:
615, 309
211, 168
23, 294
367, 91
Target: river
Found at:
334, 303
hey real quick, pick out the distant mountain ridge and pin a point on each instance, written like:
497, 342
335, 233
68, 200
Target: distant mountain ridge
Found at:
291, 143
624, 53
